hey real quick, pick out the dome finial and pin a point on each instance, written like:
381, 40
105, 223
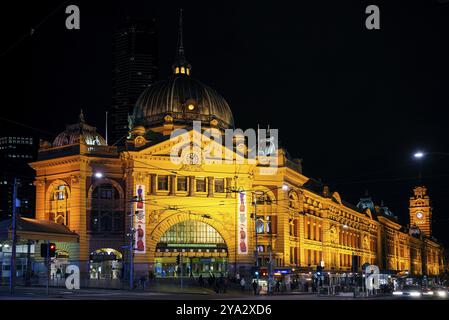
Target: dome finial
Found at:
180, 35
181, 65
82, 116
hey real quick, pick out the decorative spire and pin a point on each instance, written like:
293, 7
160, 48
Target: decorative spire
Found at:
181, 66
82, 117
180, 36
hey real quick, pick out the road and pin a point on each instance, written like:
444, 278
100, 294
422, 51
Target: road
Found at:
22, 293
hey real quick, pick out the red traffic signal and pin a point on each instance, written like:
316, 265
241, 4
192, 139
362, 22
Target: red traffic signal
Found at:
48, 250
52, 250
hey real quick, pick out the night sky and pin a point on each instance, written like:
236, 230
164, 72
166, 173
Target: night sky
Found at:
354, 104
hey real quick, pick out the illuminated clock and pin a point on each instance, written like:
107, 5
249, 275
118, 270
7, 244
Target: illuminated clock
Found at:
419, 215
191, 158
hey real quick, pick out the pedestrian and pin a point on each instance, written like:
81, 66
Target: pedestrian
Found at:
237, 277
278, 286
210, 280
255, 287
142, 282
201, 280
217, 286
226, 283
242, 284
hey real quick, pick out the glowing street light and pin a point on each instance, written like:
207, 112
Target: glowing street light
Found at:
98, 175
418, 155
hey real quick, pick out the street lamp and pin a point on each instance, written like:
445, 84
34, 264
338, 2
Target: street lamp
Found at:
422, 154
98, 175
418, 155
257, 194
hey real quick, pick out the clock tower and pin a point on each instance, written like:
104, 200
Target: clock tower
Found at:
420, 210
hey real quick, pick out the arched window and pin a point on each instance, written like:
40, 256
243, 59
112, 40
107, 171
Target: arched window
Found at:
293, 200
59, 204
266, 219
191, 232
60, 193
107, 212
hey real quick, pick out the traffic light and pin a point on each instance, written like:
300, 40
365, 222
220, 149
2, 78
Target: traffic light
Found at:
51, 250
178, 259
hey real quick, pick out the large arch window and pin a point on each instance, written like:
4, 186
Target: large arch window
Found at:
107, 214
191, 232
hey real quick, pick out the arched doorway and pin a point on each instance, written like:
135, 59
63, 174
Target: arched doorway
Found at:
105, 263
200, 248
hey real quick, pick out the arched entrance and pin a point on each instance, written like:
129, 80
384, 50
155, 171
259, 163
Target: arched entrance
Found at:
197, 246
105, 263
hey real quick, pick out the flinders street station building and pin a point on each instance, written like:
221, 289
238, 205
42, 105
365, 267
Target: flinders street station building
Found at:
202, 214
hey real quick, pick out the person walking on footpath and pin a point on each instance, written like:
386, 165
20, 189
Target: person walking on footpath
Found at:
242, 284
255, 287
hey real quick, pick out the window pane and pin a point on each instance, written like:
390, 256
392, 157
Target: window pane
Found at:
94, 222
118, 221
259, 226
219, 185
162, 182
201, 185
182, 183
191, 232
105, 221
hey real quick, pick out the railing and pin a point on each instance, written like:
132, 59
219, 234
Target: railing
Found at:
69, 150
99, 150
75, 149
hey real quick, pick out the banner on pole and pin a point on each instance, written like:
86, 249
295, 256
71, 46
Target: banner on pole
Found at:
139, 220
242, 224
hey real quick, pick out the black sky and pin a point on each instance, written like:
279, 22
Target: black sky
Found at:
354, 104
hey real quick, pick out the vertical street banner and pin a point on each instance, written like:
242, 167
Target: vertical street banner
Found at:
242, 224
139, 220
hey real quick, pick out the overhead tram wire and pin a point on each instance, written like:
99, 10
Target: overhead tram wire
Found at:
27, 126
33, 30
386, 180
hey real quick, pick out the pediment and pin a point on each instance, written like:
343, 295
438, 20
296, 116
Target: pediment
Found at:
190, 142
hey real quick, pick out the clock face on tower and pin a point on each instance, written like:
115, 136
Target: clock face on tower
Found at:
191, 158
419, 215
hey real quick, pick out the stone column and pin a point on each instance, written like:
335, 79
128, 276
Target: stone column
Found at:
172, 185
228, 187
191, 186
153, 178
210, 186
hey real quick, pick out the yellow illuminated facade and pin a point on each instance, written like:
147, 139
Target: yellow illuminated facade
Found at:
203, 208
191, 209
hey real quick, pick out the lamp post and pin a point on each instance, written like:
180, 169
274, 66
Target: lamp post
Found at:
131, 242
422, 154
12, 273
257, 194
419, 155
